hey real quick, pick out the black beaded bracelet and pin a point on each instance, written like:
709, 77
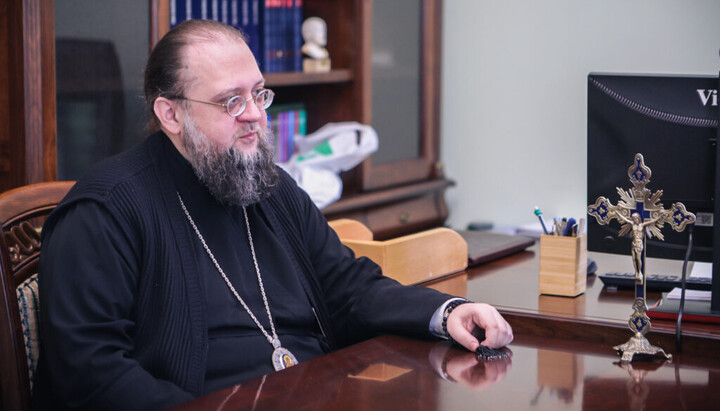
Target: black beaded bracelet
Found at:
450, 307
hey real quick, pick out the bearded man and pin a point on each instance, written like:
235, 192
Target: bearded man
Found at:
191, 262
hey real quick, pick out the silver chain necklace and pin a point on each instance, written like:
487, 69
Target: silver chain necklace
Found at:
281, 357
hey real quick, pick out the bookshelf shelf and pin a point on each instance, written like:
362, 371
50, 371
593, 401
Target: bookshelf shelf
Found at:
303, 79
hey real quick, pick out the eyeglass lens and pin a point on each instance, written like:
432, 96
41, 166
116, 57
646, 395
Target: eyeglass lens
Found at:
236, 105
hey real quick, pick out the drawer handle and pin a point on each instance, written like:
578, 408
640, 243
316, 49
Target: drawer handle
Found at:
404, 217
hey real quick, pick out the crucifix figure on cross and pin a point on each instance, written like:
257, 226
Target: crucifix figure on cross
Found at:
638, 244
642, 216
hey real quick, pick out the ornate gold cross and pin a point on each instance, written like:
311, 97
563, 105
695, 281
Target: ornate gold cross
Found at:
642, 216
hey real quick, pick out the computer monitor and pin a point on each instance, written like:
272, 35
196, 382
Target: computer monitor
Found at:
673, 122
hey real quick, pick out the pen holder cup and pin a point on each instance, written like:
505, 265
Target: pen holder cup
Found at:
563, 265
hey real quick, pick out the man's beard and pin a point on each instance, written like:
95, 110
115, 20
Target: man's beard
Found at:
231, 176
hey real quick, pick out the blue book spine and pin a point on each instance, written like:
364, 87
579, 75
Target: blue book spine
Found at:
281, 33
257, 18
234, 16
286, 22
224, 12
297, 35
279, 29
287, 35
244, 16
276, 35
188, 9
197, 9
281, 136
290, 135
265, 35
214, 10
272, 35
173, 13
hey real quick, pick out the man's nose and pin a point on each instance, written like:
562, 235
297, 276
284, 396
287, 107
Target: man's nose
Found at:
251, 113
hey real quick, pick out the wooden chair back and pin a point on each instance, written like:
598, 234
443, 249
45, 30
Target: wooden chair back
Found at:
22, 213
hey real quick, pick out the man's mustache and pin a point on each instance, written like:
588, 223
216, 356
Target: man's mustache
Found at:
251, 128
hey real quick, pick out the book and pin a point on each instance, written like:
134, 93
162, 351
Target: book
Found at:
272, 27
214, 10
287, 122
224, 11
234, 14
296, 35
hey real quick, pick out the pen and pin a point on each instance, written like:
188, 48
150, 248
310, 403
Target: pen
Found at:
542, 222
561, 223
581, 226
569, 223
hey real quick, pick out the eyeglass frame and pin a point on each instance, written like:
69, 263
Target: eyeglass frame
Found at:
227, 103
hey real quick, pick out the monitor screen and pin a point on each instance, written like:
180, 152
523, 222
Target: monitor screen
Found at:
672, 121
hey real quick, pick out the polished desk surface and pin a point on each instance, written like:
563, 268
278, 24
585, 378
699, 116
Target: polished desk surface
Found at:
562, 358
599, 314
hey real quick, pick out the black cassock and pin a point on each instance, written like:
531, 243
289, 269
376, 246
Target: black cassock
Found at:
135, 314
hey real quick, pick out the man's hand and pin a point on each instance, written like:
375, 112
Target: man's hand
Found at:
464, 318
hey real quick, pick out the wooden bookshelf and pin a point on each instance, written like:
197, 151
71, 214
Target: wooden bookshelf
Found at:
392, 198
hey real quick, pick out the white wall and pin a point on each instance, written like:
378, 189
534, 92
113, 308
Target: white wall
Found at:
515, 84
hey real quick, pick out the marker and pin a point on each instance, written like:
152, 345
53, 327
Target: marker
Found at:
542, 222
567, 231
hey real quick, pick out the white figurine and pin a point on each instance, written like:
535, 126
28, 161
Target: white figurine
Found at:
316, 57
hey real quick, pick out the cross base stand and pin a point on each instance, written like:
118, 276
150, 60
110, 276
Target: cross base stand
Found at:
639, 345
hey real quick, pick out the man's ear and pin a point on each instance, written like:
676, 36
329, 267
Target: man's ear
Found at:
168, 114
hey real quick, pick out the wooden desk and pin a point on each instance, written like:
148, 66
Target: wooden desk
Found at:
562, 358
598, 315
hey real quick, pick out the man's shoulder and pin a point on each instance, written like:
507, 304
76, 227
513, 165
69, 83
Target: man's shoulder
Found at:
285, 180
116, 182
110, 174
287, 188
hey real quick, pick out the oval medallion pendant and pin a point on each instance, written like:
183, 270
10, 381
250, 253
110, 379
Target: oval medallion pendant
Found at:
282, 358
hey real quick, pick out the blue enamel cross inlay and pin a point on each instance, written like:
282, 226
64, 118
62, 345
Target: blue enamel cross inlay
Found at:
601, 210
639, 323
679, 217
639, 174
640, 209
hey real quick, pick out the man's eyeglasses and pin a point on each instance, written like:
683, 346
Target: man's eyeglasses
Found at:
236, 105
